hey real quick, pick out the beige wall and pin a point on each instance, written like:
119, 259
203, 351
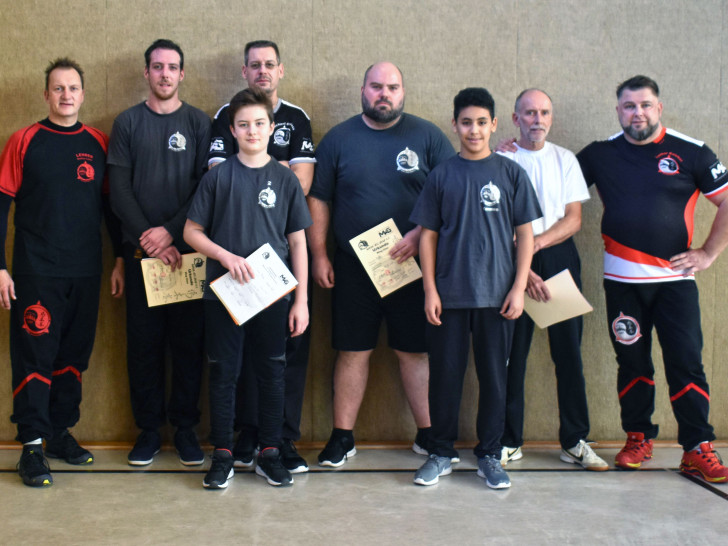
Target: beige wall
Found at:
577, 51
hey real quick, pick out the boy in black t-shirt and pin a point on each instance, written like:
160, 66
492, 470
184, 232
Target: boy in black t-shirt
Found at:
474, 278
247, 201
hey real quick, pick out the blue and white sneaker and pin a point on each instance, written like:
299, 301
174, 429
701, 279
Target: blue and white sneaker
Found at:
434, 467
491, 470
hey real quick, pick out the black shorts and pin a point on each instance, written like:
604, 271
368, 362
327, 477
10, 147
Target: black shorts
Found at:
358, 310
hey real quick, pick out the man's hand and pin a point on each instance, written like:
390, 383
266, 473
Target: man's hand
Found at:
513, 304
406, 247
506, 145
155, 240
171, 256
536, 288
117, 278
322, 271
7, 289
691, 261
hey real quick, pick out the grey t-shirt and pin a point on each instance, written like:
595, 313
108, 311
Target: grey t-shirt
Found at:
475, 207
370, 176
242, 208
167, 154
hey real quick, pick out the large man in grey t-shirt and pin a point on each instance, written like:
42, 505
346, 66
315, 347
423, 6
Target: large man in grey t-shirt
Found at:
372, 168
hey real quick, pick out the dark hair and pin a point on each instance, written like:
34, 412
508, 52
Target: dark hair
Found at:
473, 96
520, 96
252, 96
163, 43
638, 82
366, 74
258, 44
62, 62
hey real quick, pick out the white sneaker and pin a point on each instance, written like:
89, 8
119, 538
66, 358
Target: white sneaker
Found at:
510, 454
584, 455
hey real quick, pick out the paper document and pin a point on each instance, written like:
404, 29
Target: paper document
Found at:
272, 281
372, 248
165, 286
566, 302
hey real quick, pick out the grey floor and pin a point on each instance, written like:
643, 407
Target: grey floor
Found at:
370, 500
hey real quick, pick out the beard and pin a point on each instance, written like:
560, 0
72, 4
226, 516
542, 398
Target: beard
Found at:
381, 116
644, 134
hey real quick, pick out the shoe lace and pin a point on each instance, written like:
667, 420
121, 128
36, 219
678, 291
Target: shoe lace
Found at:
218, 464
35, 463
712, 459
492, 463
635, 446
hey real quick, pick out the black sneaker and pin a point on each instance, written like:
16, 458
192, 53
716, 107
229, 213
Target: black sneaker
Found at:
337, 451
246, 448
188, 448
221, 470
33, 467
271, 468
64, 446
291, 459
146, 447
421, 446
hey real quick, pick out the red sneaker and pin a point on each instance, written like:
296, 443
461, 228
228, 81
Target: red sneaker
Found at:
705, 463
636, 450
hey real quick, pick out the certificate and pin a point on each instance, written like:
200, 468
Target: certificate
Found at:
566, 301
164, 286
272, 281
372, 248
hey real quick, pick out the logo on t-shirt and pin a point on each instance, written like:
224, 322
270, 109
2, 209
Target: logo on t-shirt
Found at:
626, 329
282, 135
717, 170
217, 145
36, 320
267, 197
407, 161
668, 164
85, 172
490, 196
177, 142
307, 145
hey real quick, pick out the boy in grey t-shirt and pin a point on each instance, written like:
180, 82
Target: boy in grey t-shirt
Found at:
474, 278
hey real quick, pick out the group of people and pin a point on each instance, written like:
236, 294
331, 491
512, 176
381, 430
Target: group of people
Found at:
487, 228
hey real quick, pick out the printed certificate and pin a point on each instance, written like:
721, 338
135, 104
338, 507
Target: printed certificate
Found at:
272, 281
165, 286
566, 301
372, 248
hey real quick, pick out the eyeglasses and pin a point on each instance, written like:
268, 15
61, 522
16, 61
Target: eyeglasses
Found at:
270, 65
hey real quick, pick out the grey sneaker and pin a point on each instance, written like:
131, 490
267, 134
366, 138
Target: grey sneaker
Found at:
434, 467
510, 454
491, 470
584, 455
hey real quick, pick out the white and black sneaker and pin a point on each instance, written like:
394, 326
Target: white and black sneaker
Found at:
221, 470
582, 454
271, 467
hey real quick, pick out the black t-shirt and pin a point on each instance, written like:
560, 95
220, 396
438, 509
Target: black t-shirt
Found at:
242, 208
370, 176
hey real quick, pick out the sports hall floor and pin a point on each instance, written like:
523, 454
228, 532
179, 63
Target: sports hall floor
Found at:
370, 500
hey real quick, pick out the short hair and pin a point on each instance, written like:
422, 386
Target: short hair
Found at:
473, 96
520, 96
163, 43
638, 82
366, 74
258, 44
62, 62
252, 96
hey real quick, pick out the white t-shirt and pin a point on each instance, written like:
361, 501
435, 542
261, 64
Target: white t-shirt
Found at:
557, 179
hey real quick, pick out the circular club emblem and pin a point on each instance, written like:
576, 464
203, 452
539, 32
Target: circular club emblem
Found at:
626, 329
177, 142
407, 161
282, 136
36, 320
267, 198
490, 195
85, 172
667, 165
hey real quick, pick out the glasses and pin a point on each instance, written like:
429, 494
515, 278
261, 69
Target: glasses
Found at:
270, 65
